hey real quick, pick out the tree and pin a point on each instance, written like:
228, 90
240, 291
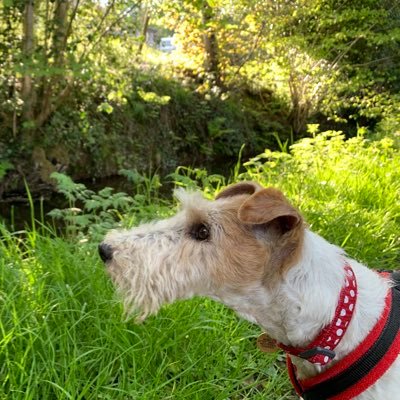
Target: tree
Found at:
58, 41
321, 55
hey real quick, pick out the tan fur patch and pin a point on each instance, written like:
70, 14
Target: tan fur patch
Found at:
245, 187
239, 256
242, 258
268, 211
269, 206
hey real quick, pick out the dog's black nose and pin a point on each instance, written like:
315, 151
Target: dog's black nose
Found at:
105, 251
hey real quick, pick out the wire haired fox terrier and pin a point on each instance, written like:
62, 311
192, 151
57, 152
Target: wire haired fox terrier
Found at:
337, 320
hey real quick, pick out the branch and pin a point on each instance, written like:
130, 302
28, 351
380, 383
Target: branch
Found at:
69, 28
251, 52
47, 111
376, 61
97, 30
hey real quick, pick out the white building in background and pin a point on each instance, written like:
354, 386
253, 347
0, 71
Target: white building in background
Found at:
167, 44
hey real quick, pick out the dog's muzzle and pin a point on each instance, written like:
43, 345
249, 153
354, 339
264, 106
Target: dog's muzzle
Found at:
105, 252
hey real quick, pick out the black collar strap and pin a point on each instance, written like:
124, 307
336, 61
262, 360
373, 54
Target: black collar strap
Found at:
396, 279
365, 370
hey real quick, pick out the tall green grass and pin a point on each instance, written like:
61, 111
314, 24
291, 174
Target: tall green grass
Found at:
62, 330
348, 190
63, 335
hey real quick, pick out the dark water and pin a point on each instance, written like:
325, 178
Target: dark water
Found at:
17, 211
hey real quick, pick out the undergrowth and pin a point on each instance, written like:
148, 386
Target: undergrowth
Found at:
348, 190
62, 331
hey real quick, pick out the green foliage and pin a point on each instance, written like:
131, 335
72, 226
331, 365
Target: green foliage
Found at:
4, 167
340, 60
198, 179
391, 123
99, 212
348, 190
358, 44
63, 333
63, 336
91, 214
250, 72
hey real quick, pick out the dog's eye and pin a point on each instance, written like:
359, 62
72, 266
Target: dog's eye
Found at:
200, 232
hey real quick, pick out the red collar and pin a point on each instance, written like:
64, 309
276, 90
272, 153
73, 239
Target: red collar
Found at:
321, 350
359, 370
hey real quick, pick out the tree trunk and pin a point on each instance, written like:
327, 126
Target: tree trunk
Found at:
28, 43
60, 32
59, 42
211, 61
301, 105
143, 34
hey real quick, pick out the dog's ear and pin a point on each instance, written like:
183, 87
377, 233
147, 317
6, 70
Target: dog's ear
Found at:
267, 206
237, 189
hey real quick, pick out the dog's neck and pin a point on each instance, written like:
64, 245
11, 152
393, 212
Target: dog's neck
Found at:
305, 301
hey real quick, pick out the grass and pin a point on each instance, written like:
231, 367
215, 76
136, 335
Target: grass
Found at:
62, 331
348, 190
63, 336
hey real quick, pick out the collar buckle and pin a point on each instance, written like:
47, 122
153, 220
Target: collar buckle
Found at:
316, 351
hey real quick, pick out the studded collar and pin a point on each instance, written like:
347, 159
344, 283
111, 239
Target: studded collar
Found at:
321, 350
368, 362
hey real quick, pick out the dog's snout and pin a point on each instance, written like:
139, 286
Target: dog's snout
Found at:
105, 251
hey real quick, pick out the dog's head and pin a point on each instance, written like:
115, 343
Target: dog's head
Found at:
233, 248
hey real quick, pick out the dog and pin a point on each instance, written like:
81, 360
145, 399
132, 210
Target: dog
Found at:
250, 249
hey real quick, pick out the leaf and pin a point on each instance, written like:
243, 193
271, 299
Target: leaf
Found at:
105, 107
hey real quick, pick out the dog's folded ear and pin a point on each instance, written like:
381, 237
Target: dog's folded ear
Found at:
267, 206
240, 188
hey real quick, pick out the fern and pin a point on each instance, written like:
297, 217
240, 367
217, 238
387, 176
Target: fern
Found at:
99, 212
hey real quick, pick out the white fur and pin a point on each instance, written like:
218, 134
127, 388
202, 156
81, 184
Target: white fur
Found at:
306, 301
